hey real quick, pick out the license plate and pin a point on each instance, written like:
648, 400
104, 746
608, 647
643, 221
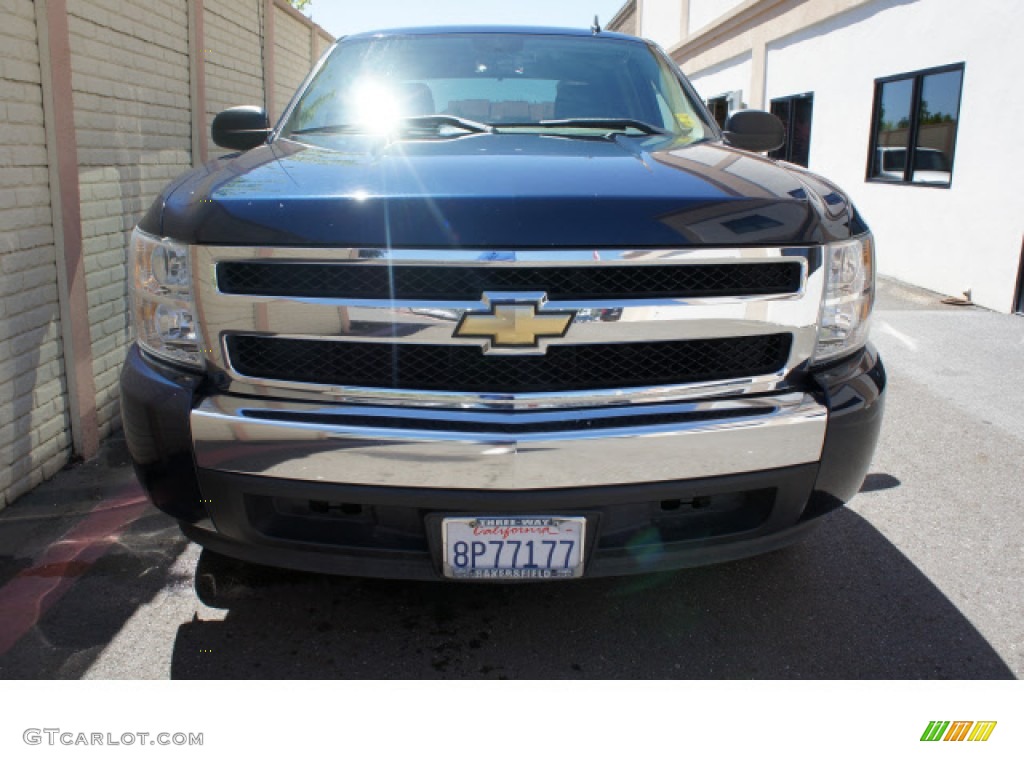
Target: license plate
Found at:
513, 548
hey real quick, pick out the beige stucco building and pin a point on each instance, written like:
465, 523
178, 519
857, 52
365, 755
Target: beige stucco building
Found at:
912, 106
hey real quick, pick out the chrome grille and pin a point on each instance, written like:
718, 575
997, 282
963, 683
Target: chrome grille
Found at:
378, 327
468, 283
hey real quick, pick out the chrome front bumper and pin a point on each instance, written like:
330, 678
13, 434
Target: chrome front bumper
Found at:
506, 451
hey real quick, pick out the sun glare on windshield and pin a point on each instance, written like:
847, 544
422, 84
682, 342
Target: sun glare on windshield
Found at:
495, 83
376, 106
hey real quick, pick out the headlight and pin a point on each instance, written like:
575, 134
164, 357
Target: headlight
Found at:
163, 308
848, 297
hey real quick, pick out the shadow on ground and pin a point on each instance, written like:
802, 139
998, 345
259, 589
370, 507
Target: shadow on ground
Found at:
67, 638
842, 604
845, 603
72, 635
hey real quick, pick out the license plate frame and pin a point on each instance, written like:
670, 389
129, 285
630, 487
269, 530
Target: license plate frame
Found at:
557, 552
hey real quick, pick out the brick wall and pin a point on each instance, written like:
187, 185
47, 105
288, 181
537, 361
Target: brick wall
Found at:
130, 75
322, 44
233, 54
34, 438
292, 58
128, 112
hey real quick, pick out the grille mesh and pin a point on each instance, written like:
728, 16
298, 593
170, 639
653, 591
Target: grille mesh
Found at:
467, 369
467, 283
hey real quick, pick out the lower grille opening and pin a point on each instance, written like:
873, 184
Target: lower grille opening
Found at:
675, 520
638, 525
342, 524
466, 369
329, 510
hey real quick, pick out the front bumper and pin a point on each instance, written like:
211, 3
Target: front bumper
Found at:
446, 449
362, 491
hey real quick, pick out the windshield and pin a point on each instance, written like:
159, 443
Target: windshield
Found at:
511, 82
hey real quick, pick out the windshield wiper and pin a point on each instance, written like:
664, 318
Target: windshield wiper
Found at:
417, 121
338, 128
611, 123
454, 120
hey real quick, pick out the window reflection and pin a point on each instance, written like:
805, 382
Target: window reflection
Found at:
914, 135
795, 113
892, 130
936, 133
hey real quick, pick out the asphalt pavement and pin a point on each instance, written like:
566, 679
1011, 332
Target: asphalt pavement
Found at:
919, 577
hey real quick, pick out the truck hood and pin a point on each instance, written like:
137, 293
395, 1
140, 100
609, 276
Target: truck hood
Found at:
499, 191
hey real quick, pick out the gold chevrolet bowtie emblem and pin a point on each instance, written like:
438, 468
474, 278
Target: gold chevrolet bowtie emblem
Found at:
514, 325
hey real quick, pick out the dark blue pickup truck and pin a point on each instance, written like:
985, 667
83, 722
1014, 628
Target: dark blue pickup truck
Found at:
499, 303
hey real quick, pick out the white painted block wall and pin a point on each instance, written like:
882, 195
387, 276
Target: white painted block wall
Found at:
947, 240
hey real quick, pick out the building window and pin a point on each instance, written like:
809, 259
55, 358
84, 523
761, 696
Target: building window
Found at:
723, 105
913, 129
1018, 302
795, 114
719, 109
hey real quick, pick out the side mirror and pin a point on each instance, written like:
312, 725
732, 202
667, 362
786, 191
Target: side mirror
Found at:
754, 130
240, 128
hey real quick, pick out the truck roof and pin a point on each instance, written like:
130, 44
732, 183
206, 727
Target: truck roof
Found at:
491, 29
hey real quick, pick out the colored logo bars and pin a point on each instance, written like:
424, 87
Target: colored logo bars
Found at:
958, 730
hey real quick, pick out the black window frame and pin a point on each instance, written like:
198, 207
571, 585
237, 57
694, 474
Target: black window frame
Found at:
712, 105
911, 147
1018, 298
785, 152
